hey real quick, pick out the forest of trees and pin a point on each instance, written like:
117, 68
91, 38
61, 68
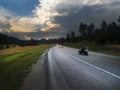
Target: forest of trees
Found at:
107, 33
7, 42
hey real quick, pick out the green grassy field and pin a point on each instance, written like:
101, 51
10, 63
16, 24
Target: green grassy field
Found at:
14, 67
105, 49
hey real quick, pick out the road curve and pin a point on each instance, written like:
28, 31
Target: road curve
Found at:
70, 71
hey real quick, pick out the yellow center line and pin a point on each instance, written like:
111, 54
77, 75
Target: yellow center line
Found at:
106, 59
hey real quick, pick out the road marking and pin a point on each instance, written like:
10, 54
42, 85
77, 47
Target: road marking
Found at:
106, 55
58, 69
94, 66
106, 59
60, 73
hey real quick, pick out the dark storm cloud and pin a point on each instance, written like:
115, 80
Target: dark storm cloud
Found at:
5, 25
6, 28
54, 18
88, 14
76, 15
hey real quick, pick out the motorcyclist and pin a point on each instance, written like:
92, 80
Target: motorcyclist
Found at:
83, 49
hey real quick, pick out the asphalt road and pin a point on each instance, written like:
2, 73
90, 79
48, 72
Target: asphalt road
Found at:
70, 71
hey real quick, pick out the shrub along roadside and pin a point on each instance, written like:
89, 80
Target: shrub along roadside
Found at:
105, 49
15, 67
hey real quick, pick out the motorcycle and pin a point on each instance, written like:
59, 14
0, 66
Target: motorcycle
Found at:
83, 51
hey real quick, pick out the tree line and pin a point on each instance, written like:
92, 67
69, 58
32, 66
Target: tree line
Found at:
107, 33
8, 42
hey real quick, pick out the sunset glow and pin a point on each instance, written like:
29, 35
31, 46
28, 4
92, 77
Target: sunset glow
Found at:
52, 15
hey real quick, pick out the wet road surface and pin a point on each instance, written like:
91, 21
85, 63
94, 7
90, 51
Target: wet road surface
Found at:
70, 71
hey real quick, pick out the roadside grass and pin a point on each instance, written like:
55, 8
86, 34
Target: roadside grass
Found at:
105, 49
14, 67
16, 49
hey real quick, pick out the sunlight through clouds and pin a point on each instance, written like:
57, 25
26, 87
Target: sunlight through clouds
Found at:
58, 15
48, 9
44, 14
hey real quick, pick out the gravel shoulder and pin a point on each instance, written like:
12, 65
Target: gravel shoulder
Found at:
36, 80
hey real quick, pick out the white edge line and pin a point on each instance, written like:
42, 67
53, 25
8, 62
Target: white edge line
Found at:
62, 77
94, 66
60, 73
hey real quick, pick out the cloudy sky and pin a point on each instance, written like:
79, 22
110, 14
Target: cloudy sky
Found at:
38, 19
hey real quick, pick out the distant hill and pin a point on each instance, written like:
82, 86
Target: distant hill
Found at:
4, 39
8, 40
